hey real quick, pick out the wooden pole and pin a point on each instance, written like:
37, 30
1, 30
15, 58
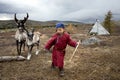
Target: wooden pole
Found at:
74, 51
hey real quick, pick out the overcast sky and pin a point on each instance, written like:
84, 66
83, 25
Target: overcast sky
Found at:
73, 10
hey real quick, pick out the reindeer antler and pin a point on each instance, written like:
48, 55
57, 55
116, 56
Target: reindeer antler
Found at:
26, 18
16, 20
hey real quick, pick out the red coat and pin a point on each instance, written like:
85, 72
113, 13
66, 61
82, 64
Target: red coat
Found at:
60, 43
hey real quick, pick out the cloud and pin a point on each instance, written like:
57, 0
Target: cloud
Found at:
5, 16
77, 10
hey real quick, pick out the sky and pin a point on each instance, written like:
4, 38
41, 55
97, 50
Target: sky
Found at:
70, 10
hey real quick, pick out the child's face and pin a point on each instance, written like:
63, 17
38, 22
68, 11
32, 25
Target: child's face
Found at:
60, 30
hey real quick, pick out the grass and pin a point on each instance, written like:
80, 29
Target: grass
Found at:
99, 62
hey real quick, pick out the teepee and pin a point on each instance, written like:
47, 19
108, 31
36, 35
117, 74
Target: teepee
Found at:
99, 29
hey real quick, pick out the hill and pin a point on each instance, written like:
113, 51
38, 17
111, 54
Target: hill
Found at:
11, 23
116, 28
7, 24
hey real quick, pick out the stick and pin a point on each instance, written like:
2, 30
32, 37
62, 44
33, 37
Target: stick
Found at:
74, 51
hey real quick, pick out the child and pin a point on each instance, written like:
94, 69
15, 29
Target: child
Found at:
60, 40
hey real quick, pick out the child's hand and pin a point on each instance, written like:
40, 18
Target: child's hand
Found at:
46, 51
79, 42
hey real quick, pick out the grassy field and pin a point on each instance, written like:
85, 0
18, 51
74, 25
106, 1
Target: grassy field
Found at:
95, 62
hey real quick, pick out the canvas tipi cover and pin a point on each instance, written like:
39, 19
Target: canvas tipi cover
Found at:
99, 29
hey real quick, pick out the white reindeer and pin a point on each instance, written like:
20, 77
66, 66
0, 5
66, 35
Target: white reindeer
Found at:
31, 40
23, 36
21, 33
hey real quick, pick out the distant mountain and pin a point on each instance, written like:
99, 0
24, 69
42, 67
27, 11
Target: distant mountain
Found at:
7, 24
117, 22
65, 22
11, 23
117, 27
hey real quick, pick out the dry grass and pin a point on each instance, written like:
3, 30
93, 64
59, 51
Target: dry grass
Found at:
89, 63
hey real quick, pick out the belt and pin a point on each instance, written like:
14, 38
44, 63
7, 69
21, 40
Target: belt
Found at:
59, 49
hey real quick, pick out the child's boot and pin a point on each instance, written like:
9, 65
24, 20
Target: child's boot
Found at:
61, 72
53, 66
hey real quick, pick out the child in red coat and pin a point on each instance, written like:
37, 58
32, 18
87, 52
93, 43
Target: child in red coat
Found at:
60, 40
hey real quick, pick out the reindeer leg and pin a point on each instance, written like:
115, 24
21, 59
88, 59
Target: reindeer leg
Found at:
29, 51
29, 55
17, 43
37, 50
31, 48
23, 45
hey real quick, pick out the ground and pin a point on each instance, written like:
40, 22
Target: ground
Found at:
95, 62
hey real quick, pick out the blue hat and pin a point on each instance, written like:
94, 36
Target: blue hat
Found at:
60, 25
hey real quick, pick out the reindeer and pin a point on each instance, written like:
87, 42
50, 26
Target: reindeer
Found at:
21, 33
33, 39
23, 36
